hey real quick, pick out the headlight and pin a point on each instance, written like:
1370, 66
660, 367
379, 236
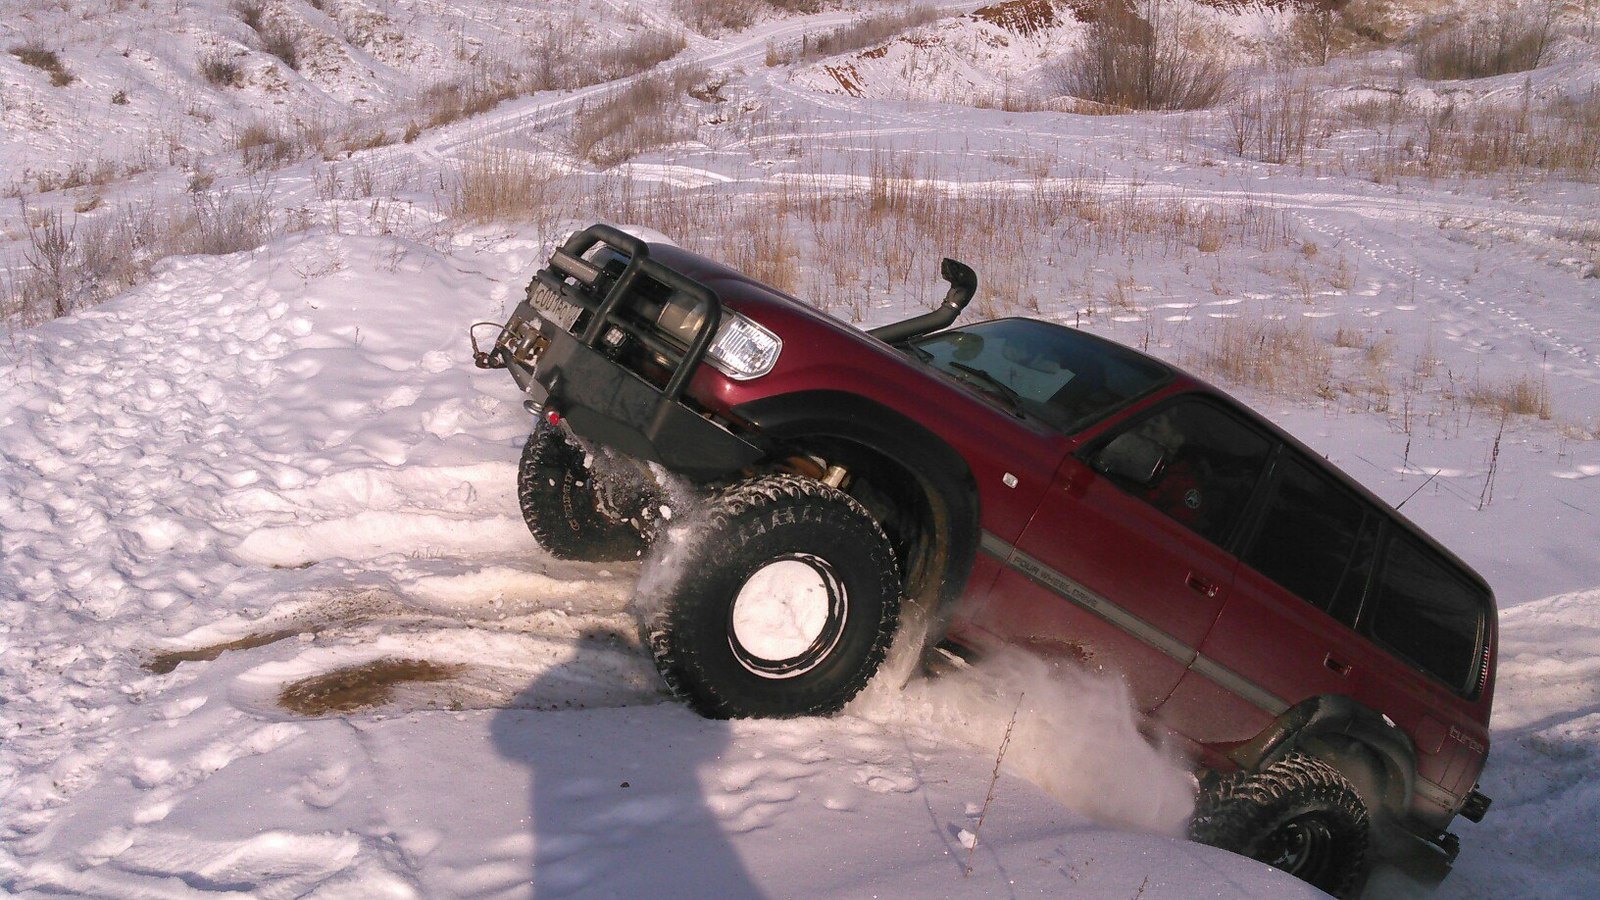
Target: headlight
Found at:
742, 350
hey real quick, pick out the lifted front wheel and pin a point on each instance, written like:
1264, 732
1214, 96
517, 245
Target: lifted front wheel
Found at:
782, 602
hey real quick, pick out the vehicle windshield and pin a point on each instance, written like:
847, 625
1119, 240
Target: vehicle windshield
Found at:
1059, 375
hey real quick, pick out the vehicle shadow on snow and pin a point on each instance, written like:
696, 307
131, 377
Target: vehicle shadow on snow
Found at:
616, 807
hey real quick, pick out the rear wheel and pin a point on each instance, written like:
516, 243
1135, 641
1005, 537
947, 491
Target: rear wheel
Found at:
1299, 814
783, 603
579, 509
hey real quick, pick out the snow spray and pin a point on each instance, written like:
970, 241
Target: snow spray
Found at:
1076, 734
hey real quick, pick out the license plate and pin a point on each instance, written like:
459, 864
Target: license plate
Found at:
552, 308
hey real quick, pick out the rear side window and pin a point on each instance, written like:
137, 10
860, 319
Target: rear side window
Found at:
1315, 537
1426, 612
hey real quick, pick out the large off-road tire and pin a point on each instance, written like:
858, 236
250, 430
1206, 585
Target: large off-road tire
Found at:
782, 602
572, 510
1299, 814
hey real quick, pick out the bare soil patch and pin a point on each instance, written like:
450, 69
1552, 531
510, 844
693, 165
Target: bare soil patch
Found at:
359, 687
162, 663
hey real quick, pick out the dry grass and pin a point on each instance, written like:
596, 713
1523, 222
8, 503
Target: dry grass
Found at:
716, 16
279, 39
221, 69
870, 30
553, 62
1273, 354
46, 60
451, 101
1385, 135
647, 114
1523, 395
71, 265
844, 246
251, 11
1563, 138
497, 183
264, 146
277, 36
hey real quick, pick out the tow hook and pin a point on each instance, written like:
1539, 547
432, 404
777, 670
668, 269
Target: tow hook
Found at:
484, 359
1476, 805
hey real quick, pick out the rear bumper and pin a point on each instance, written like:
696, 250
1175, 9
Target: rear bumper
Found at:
1423, 859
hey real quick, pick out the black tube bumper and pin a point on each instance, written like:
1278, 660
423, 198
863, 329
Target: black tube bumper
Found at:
604, 403
574, 375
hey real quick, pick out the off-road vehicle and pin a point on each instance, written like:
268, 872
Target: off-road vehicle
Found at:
1327, 666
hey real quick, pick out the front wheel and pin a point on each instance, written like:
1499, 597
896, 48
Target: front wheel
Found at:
577, 511
1299, 814
783, 602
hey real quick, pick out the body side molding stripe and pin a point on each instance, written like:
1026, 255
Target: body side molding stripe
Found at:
1170, 646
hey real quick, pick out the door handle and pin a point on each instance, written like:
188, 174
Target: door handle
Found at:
1201, 586
1335, 666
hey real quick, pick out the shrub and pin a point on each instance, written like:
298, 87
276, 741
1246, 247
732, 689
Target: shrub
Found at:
221, 69
715, 16
1274, 124
1139, 61
1510, 39
36, 55
69, 266
640, 117
1314, 33
280, 40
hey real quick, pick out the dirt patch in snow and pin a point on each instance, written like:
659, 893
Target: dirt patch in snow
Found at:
165, 662
359, 687
1029, 17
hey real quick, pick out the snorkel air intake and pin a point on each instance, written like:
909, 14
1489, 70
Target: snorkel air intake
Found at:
963, 284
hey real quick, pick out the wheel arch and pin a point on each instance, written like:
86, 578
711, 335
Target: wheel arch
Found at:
917, 467
1360, 742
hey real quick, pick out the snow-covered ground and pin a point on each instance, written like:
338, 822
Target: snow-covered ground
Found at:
270, 623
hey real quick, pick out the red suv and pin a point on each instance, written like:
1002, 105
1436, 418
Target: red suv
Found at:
1328, 667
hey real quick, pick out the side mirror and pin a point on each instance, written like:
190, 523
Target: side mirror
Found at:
1131, 456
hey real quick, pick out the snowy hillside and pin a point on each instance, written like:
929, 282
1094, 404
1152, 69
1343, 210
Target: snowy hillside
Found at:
271, 624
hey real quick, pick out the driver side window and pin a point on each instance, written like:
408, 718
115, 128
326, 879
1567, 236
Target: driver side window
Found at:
1198, 465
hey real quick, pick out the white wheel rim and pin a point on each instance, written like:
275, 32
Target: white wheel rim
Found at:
787, 616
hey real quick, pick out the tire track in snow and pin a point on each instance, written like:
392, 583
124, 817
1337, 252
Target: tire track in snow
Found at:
1478, 312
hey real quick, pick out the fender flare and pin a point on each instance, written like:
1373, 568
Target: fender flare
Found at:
1337, 729
942, 475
